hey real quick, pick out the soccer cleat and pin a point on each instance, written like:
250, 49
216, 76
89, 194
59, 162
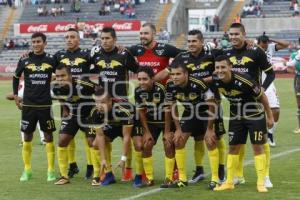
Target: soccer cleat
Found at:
271, 140
62, 181
225, 186
297, 131
127, 175
26, 176
178, 184
167, 182
51, 176
261, 188
239, 180
198, 176
96, 181
212, 185
89, 172
268, 183
148, 183
137, 181
109, 179
73, 169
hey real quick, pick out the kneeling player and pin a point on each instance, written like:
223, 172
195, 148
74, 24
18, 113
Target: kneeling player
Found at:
246, 115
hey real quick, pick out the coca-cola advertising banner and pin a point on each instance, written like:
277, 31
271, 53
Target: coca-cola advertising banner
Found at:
60, 27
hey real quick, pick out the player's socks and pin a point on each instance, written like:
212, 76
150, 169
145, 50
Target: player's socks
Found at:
169, 167
63, 161
127, 173
268, 159
240, 166
96, 163
214, 164
129, 157
87, 152
138, 162
50, 156
71, 151
199, 151
108, 150
232, 162
148, 167
260, 164
180, 156
26, 154
222, 150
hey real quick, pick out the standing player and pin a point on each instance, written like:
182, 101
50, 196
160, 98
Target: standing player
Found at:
248, 105
36, 106
270, 46
201, 65
253, 62
193, 94
76, 96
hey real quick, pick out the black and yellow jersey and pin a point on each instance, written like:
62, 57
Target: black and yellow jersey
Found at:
121, 114
37, 71
78, 60
112, 68
201, 66
242, 92
249, 61
193, 94
78, 97
152, 101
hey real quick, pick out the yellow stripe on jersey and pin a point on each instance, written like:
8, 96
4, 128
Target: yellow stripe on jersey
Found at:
161, 86
268, 69
199, 82
125, 110
85, 83
244, 80
261, 92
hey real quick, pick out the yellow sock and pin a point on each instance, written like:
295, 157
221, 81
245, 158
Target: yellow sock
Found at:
95, 162
268, 159
50, 155
26, 154
214, 164
87, 152
148, 166
232, 162
199, 151
129, 157
71, 151
180, 156
240, 166
169, 167
138, 162
108, 150
63, 161
222, 151
260, 164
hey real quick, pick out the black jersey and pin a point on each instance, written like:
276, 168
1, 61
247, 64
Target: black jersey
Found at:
152, 101
78, 60
242, 92
191, 95
37, 71
112, 68
78, 98
201, 66
119, 115
250, 61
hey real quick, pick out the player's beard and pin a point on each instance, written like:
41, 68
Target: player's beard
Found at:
146, 42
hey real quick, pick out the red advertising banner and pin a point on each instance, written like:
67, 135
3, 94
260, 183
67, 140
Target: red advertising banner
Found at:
59, 27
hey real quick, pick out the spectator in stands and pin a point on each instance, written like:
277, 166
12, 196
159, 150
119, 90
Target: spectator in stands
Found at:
45, 11
116, 6
296, 9
207, 23
245, 10
10, 44
216, 21
102, 10
53, 11
77, 6
61, 10
107, 9
251, 9
130, 11
122, 8
40, 11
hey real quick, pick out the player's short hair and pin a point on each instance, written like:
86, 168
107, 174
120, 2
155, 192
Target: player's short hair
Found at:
39, 34
149, 24
238, 25
110, 30
263, 38
100, 91
222, 58
64, 67
148, 70
73, 29
196, 32
178, 65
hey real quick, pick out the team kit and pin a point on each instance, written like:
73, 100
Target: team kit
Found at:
178, 95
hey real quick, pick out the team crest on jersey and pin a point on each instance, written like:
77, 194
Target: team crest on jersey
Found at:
238, 83
229, 93
75, 62
205, 64
191, 66
113, 64
243, 61
42, 67
193, 96
160, 52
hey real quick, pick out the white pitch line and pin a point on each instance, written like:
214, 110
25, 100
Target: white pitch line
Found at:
249, 162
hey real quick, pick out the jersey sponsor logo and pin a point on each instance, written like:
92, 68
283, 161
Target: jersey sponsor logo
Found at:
205, 64
230, 93
75, 62
149, 64
113, 64
42, 67
240, 70
243, 61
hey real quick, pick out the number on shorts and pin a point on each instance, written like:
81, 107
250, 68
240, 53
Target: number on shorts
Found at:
51, 124
258, 135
